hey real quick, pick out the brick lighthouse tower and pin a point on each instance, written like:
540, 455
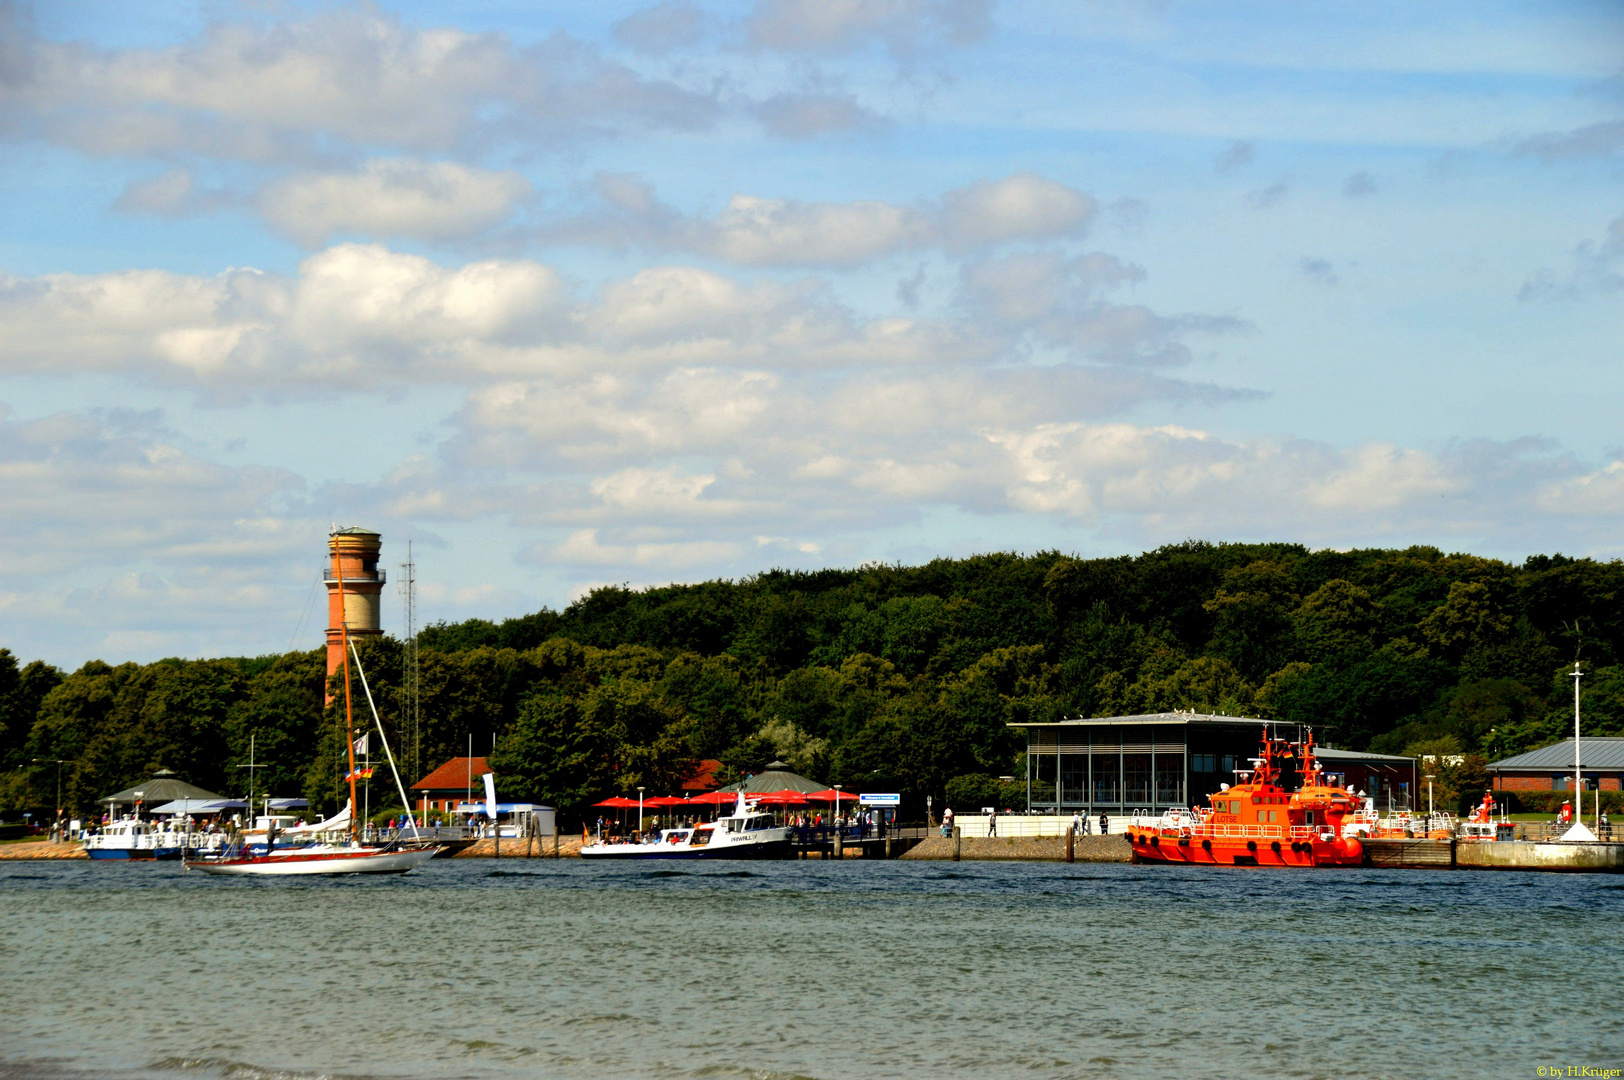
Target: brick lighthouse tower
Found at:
355, 552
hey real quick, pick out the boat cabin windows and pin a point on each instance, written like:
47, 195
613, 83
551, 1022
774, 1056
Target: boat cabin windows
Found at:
701, 837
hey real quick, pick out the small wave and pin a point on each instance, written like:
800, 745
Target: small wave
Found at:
733, 873
727, 1072
667, 873
242, 1070
592, 1021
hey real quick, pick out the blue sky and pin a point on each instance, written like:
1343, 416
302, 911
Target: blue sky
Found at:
583, 294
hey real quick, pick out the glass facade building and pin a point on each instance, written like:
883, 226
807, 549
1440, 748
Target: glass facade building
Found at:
1158, 761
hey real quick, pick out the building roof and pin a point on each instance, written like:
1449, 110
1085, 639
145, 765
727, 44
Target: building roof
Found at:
703, 778
776, 780
160, 789
453, 775
1176, 717
353, 530
1352, 757
1594, 753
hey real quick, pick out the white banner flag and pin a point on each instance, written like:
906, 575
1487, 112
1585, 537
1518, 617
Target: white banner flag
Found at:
490, 794
362, 745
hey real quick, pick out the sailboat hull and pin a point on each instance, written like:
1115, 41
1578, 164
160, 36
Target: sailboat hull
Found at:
305, 863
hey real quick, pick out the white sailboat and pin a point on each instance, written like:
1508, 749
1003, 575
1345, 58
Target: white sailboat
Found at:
352, 857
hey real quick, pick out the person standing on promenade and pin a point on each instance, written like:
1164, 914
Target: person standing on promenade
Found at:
992, 823
1105, 823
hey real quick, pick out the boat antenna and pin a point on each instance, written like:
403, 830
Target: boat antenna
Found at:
349, 713
400, 787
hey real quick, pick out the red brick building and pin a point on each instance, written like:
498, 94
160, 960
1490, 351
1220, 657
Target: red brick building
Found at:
450, 784
1550, 768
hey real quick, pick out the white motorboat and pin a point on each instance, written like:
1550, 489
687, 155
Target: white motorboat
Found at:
318, 859
133, 837
744, 834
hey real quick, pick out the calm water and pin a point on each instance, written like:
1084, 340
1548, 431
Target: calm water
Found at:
800, 969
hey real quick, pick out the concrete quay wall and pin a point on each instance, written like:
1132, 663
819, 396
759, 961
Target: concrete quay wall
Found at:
1529, 855
1025, 848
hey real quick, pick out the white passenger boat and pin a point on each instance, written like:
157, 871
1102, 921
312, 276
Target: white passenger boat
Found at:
744, 834
133, 837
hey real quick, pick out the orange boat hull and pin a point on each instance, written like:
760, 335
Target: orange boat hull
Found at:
1231, 851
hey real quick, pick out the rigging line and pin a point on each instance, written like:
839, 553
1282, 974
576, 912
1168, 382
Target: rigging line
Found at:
376, 719
303, 615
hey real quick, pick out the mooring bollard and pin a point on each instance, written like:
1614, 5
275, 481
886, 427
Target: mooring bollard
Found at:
957, 837
839, 851
555, 841
1071, 838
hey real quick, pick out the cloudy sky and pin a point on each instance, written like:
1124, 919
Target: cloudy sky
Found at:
573, 294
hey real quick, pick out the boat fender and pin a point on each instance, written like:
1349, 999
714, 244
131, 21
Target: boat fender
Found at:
1206, 845
1295, 846
1275, 847
1251, 845
1156, 841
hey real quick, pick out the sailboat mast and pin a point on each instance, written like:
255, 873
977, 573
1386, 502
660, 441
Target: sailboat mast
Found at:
349, 715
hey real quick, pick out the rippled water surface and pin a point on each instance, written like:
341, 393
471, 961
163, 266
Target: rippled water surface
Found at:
800, 969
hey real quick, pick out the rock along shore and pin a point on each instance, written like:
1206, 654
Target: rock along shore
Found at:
1025, 848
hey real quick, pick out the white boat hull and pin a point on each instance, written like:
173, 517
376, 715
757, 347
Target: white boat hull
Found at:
335, 861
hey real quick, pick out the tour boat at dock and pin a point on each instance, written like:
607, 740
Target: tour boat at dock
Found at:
1283, 812
743, 834
134, 837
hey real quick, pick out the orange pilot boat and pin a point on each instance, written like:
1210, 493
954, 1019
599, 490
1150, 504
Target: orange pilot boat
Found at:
1282, 813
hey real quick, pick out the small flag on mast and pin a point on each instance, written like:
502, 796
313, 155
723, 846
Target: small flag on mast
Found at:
362, 745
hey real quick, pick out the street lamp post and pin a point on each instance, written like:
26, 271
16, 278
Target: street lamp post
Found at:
639, 811
59, 763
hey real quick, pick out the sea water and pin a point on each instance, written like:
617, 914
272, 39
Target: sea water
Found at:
536, 968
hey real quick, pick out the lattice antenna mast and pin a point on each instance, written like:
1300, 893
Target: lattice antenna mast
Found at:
409, 676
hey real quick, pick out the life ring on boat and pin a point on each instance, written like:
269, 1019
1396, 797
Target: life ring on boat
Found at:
1275, 847
1251, 845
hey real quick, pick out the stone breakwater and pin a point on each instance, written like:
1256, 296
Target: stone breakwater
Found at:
42, 849
541, 847
1025, 848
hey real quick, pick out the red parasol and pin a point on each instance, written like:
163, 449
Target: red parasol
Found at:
715, 798
617, 802
782, 798
830, 795
663, 800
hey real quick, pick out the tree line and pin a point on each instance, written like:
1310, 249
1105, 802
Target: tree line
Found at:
878, 678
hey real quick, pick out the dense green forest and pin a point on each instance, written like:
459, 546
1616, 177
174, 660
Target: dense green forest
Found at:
882, 677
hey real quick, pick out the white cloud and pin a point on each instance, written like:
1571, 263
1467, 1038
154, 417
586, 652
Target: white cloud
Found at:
808, 115
905, 27
392, 198
672, 24
755, 231
1024, 206
116, 538
343, 78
